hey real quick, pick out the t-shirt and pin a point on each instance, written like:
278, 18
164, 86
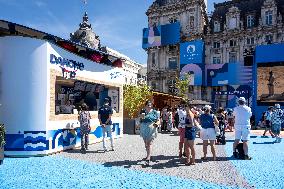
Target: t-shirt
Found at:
242, 117
165, 115
207, 121
277, 116
181, 115
105, 111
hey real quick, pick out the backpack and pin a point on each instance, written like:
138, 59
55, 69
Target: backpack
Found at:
240, 151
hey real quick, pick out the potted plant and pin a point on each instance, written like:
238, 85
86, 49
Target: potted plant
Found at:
2, 142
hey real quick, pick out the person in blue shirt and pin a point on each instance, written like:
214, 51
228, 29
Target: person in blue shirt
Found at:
104, 115
208, 132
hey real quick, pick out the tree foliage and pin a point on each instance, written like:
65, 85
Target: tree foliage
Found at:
134, 98
182, 84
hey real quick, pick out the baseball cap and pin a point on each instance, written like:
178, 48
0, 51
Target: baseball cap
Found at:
207, 107
242, 99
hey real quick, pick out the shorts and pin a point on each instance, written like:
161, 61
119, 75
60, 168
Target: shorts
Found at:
276, 129
242, 134
190, 133
181, 132
208, 134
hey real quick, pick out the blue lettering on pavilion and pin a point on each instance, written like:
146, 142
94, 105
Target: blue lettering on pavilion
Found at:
65, 64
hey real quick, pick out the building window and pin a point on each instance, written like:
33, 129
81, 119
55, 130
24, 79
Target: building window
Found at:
216, 60
191, 22
268, 39
173, 20
232, 57
250, 21
216, 26
153, 85
268, 17
173, 63
216, 45
153, 60
250, 41
233, 23
233, 43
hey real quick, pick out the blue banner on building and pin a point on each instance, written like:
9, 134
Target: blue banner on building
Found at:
168, 34
151, 37
192, 52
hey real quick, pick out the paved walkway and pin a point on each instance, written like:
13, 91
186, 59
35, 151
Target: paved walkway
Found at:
123, 168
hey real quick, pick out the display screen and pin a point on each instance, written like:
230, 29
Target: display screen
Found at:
270, 83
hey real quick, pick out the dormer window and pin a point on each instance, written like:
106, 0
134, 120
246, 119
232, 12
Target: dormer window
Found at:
233, 23
268, 17
217, 26
250, 21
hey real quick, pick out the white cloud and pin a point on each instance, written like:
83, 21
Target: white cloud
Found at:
40, 4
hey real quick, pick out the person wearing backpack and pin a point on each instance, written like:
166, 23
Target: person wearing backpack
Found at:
85, 128
104, 115
242, 115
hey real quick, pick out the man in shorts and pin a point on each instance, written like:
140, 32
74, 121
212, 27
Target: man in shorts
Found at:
242, 115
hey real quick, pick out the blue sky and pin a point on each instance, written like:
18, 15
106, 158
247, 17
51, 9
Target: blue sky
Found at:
119, 23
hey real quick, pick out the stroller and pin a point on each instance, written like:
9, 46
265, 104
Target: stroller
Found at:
221, 138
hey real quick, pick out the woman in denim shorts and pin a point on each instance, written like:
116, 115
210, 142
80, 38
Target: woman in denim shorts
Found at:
190, 135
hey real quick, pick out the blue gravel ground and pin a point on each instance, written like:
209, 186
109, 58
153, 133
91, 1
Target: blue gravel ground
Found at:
266, 169
59, 172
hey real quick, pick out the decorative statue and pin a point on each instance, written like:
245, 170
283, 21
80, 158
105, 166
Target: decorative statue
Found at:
271, 84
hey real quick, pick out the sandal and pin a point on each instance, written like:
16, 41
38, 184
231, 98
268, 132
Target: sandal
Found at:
147, 162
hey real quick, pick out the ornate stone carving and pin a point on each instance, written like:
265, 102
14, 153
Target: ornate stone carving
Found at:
85, 35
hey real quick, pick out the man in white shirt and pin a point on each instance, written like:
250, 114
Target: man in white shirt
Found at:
242, 115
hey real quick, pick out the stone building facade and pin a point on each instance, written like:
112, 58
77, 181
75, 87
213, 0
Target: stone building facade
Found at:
234, 29
134, 72
163, 62
237, 27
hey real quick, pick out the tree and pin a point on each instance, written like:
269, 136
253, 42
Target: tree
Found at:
182, 84
134, 98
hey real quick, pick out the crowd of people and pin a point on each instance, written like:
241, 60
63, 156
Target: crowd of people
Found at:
208, 125
191, 122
